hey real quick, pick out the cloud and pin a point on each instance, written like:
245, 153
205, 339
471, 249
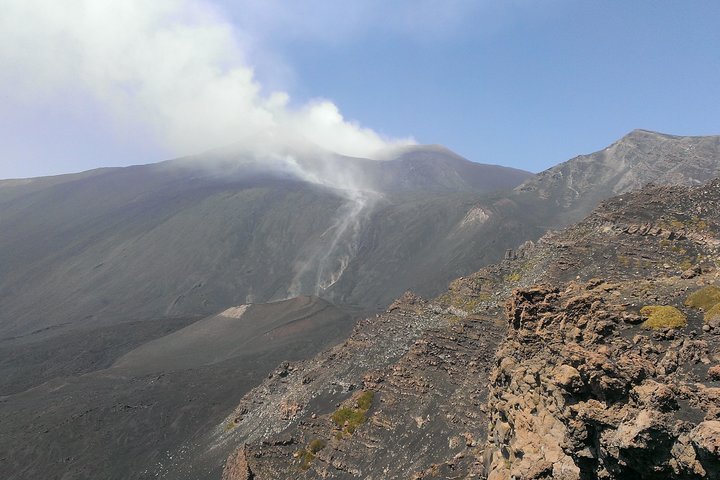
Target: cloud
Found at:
177, 70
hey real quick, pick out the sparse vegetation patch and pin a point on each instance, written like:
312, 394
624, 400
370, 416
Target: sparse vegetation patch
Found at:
307, 455
316, 445
705, 298
306, 458
713, 314
663, 316
349, 418
513, 277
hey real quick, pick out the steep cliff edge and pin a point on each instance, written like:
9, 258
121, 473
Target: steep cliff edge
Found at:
616, 376
582, 391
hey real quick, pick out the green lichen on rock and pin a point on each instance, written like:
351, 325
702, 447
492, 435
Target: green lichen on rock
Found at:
663, 316
465, 295
686, 264
700, 224
466, 303
705, 298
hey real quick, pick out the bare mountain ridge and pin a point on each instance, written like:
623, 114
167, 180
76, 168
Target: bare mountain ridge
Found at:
183, 237
639, 158
566, 193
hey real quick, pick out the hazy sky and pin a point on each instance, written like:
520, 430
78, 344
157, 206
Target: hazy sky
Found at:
524, 83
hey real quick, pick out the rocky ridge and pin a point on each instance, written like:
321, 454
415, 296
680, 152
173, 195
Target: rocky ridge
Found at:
414, 358
548, 348
582, 388
638, 158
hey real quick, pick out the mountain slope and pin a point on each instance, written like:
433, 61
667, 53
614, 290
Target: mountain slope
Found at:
435, 168
579, 388
639, 158
152, 394
190, 238
116, 265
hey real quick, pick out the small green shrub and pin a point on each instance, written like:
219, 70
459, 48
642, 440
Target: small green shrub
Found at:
306, 458
231, 424
700, 224
705, 298
674, 224
464, 302
350, 415
316, 445
686, 264
307, 455
663, 316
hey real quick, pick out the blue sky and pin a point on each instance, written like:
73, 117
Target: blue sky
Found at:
521, 83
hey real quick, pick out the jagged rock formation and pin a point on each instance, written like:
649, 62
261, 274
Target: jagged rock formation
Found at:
581, 389
582, 392
237, 467
578, 387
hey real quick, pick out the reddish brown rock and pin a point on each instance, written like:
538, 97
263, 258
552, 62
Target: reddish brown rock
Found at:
236, 466
569, 378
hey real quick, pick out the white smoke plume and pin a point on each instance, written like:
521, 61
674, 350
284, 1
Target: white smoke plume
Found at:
175, 70
179, 73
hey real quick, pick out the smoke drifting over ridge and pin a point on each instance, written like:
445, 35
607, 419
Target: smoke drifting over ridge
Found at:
173, 69
181, 74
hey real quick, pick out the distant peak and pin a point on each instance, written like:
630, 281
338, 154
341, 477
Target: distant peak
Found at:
435, 147
406, 152
640, 133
